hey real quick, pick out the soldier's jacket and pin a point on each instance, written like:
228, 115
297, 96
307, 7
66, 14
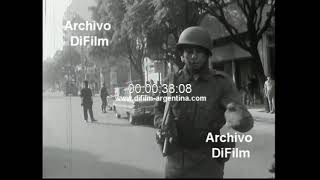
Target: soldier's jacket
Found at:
86, 95
195, 118
104, 93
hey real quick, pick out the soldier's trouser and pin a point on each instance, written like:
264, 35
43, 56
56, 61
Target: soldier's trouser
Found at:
85, 112
192, 164
104, 104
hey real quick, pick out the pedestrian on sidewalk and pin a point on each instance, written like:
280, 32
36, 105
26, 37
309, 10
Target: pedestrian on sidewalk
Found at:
252, 87
87, 102
103, 94
269, 90
250, 100
244, 94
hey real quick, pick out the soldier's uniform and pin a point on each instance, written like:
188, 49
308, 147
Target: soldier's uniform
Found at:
86, 95
192, 156
194, 120
103, 95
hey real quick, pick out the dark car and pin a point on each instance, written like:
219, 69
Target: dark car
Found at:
134, 108
70, 89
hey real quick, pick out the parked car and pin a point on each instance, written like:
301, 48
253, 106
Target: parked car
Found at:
110, 100
136, 110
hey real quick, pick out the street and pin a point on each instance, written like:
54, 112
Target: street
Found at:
114, 148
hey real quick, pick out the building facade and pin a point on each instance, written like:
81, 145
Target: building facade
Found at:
232, 59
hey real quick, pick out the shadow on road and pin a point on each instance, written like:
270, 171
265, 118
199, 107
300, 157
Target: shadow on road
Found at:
111, 124
140, 123
146, 123
84, 164
265, 120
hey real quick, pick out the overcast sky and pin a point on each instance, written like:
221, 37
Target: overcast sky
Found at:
53, 11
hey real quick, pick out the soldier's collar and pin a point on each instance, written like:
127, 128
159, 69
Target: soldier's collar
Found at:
203, 75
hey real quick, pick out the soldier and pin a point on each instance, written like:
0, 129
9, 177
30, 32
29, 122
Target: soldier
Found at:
190, 156
103, 94
86, 102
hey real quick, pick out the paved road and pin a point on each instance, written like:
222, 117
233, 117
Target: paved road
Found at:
114, 148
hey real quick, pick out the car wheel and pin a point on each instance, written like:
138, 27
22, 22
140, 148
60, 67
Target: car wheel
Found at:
132, 119
117, 114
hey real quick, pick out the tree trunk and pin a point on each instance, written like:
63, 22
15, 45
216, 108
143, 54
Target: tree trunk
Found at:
257, 67
140, 70
142, 78
136, 65
165, 65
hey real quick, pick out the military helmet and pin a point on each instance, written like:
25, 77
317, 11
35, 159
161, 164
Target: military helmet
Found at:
197, 36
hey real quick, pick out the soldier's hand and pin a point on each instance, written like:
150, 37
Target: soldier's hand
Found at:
162, 135
165, 133
238, 117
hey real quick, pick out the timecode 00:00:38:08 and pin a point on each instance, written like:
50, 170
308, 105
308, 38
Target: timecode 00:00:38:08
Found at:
164, 88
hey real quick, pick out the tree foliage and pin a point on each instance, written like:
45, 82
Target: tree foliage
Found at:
170, 19
152, 27
107, 12
62, 64
142, 28
128, 22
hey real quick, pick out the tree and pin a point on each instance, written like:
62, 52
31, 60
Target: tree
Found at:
171, 18
52, 70
63, 65
100, 55
143, 28
249, 12
70, 56
128, 19
49, 75
136, 29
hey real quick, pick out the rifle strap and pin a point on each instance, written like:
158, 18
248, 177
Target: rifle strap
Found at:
166, 109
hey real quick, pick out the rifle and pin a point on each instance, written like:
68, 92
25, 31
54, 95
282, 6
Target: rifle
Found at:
167, 122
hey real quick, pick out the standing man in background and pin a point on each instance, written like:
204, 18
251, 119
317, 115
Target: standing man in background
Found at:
87, 102
103, 94
269, 91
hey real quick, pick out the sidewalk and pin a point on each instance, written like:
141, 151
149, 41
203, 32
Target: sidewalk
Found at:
259, 114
